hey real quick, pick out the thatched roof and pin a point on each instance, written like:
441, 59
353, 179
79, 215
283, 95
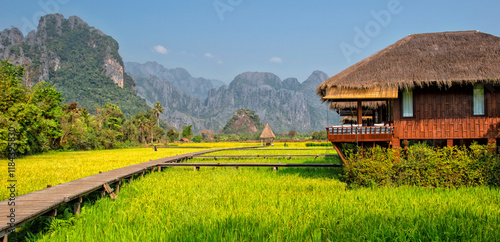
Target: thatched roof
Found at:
267, 133
354, 119
367, 104
424, 59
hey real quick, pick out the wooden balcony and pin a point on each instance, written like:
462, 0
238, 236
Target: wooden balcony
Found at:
360, 133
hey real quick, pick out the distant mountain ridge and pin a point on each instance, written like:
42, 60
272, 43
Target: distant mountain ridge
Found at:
288, 104
84, 64
178, 76
79, 60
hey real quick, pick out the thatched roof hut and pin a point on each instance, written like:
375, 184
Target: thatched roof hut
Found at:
417, 60
267, 133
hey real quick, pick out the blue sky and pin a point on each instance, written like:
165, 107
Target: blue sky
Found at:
219, 39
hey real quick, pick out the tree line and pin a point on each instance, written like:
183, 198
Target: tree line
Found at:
44, 122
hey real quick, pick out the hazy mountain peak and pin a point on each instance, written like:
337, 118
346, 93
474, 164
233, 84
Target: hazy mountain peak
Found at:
257, 79
316, 78
179, 77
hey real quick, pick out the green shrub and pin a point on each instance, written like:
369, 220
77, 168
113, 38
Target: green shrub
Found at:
319, 144
423, 165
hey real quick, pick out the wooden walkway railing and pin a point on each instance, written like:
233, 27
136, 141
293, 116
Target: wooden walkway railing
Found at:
361, 134
44, 202
260, 156
196, 166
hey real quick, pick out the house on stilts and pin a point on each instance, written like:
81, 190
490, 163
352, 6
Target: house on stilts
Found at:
443, 87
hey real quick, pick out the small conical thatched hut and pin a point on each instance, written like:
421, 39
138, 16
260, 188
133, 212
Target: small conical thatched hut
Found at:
268, 135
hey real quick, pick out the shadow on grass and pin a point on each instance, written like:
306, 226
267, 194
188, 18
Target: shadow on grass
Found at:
315, 172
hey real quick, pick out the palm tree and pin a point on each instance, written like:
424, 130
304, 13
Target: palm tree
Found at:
140, 124
157, 110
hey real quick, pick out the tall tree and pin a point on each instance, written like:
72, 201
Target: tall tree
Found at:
33, 112
187, 131
140, 124
157, 110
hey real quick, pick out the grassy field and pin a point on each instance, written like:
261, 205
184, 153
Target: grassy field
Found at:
37, 171
224, 204
256, 204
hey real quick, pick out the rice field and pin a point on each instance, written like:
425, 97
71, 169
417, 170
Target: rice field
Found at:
258, 204
37, 171
225, 204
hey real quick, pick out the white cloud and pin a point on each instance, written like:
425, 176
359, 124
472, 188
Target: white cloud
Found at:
160, 49
209, 55
276, 60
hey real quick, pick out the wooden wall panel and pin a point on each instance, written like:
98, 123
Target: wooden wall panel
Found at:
447, 113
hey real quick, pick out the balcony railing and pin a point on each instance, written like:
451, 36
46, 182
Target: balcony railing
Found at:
360, 133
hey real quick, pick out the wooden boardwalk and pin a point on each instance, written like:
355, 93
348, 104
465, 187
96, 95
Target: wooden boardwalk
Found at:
32, 205
44, 202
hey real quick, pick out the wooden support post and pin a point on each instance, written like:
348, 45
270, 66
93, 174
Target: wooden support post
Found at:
4, 238
492, 144
159, 168
275, 169
396, 143
118, 186
360, 113
339, 152
130, 179
51, 213
196, 168
109, 190
78, 204
236, 168
142, 174
449, 142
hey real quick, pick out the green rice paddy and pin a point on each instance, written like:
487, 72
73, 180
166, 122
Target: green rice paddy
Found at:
224, 204
258, 204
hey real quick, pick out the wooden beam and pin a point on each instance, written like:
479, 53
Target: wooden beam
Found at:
360, 113
492, 145
52, 213
449, 142
396, 143
339, 152
107, 188
260, 156
198, 165
118, 186
78, 204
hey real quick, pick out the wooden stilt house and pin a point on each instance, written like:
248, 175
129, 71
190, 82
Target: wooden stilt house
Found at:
443, 87
267, 136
